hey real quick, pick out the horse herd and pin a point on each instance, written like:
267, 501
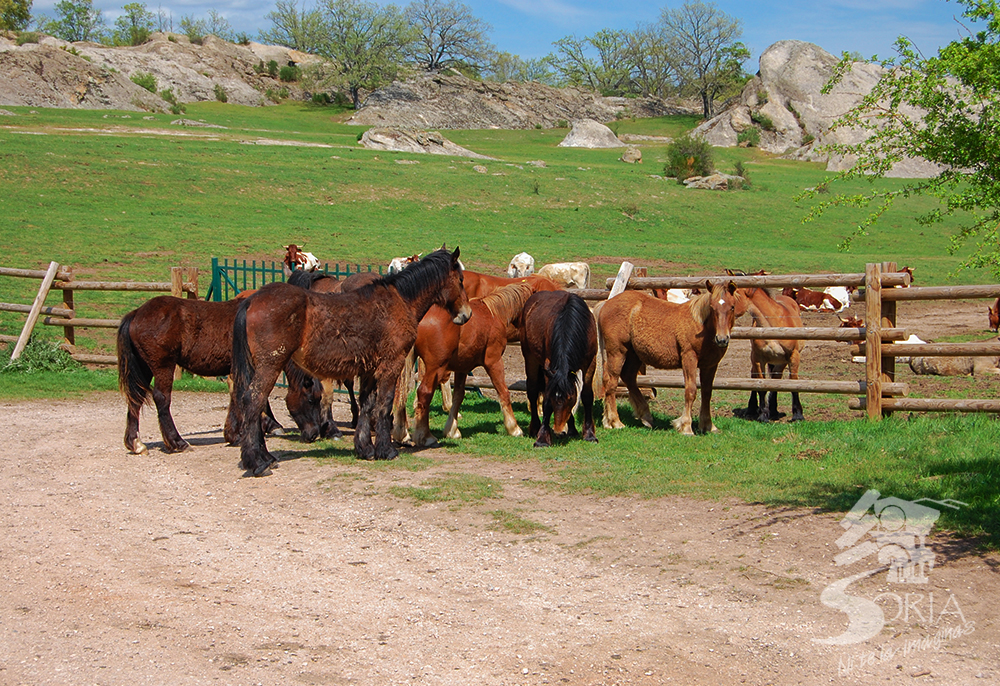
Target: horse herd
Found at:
368, 329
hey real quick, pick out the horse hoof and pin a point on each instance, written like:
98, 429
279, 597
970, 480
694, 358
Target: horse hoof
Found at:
542, 444
455, 434
277, 432
517, 432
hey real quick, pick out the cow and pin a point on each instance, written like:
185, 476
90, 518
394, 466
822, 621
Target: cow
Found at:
813, 301
567, 274
522, 264
398, 264
994, 313
678, 296
296, 259
841, 294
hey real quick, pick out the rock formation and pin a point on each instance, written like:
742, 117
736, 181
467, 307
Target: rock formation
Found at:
783, 101
422, 142
587, 133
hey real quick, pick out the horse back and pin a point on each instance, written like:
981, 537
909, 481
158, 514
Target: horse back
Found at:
657, 331
194, 334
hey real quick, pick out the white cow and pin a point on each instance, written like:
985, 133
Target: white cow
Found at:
842, 294
521, 265
678, 295
398, 264
567, 274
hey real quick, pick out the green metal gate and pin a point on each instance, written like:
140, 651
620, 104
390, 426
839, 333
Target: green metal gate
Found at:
232, 277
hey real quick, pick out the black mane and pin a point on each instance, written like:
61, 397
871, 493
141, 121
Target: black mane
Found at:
305, 279
429, 272
569, 344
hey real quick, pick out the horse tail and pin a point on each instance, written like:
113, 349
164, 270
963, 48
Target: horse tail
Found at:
134, 375
602, 354
242, 368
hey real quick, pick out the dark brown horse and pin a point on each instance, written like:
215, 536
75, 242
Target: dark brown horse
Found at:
768, 358
365, 333
559, 344
167, 332
637, 329
445, 347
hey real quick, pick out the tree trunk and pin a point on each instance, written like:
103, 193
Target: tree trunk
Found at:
707, 104
356, 96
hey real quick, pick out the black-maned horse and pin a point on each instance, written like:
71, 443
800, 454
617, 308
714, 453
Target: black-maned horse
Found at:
559, 344
365, 333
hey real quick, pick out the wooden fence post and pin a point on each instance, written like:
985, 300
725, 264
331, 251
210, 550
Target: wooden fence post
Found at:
621, 281
873, 341
69, 332
176, 282
888, 322
191, 277
36, 309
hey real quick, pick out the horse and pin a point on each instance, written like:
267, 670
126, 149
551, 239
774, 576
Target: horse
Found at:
444, 347
770, 311
559, 344
167, 332
365, 333
994, 316
637, 329
478, 285
522, 264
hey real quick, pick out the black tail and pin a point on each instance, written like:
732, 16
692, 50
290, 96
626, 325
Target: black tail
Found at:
242, 369
134, 375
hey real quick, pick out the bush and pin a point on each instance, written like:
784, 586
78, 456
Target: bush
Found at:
144, 80
27, 37
749, 136
807, 138
289, 73
178, 109
168, 95
562, 124
741, 171
763, 120
688, 156
321, 99
220, 93
272, 69
41, 356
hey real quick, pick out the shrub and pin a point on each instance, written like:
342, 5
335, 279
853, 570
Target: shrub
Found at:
341, 100
41, 356
220, 93
27, 37
688, 156
763, 120
178, 109
562, 124
321, 99
749, 136
807, 138
168, 95
538, 126
260, 68
289, 73
243, 38
172, 38
144, 80
272, 69
741, 171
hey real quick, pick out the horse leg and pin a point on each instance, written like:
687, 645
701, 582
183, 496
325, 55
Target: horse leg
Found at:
447, 395
534, 380
793, 373
384, 398
774, 371
363, 433
630, 370
162, 387
268, 424
135, 402
544, 439
400, 427
612, 371
689, 363
451, 426
254, 456
328, 427
494, 368
349, 385
421, 435
587, 400
705, 424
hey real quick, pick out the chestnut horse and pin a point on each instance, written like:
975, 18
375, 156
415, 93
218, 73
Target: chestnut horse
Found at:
365, 333
167, 332
480, 285
776, 355
444, 347
637, 329
559, 343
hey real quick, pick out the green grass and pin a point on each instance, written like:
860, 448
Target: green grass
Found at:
463, 488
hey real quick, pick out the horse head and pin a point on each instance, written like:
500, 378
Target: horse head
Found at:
562, 393
303, 401
723, 301
455, 299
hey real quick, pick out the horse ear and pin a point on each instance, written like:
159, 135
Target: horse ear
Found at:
708, 285
454, 255
731, 287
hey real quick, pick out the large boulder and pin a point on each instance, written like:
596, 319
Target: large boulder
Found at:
448, 100
794, 118
421, 142
587, 133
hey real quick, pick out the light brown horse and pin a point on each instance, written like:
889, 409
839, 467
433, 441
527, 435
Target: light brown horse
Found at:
771, 311
479, 285
445, 347
637, 329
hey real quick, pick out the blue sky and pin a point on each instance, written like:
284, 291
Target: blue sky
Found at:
529, 27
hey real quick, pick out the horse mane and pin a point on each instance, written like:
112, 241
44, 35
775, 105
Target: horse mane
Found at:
304, 279
418, 276
569, 343
701, 304
506, 303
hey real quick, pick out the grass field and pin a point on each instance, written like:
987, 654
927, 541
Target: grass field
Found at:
123, 196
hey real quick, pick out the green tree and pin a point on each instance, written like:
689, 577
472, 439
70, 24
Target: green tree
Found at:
76, 20
944, 109
300, 29
134, 26
704, 44
503, 66
15, 15
367, 42
449, 34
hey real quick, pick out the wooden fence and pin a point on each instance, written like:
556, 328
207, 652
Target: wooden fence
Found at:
878, 392
183, 281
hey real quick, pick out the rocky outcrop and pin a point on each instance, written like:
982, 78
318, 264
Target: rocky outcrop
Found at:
783, 101
452, 101
587, 133
54, 73
421, 142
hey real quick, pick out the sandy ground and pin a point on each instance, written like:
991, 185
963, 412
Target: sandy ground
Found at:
156, 569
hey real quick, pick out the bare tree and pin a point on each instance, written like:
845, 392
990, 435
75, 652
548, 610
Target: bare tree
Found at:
449, 34
292, 27
704, 42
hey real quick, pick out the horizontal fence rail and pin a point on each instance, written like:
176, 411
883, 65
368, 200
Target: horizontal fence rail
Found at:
768, 281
